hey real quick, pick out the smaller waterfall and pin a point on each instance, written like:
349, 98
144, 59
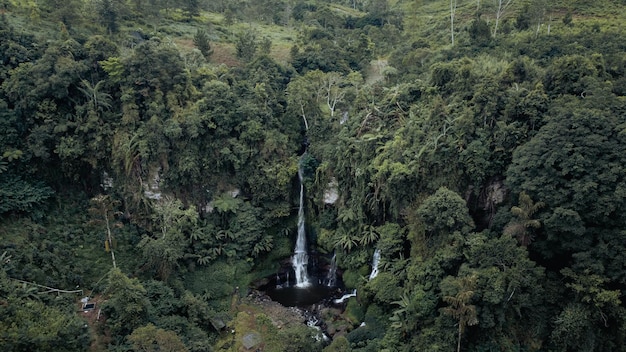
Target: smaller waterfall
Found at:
345, 297
278, 285
331, 278
314, 322
375, 261
300, 258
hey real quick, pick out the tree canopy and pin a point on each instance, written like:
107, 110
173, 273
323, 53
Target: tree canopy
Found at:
150, 153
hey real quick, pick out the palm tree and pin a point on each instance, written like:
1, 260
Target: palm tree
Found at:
459, 307
522, 226
98, 100
369, 235
399, 313
345, 240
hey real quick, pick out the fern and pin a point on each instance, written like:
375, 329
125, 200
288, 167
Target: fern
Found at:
17, 195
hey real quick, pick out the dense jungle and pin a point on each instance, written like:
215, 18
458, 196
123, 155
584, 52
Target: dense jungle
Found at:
150, 154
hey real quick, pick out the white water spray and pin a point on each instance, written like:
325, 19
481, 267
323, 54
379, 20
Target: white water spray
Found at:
301, 258
345, 297
375, 261
331, 278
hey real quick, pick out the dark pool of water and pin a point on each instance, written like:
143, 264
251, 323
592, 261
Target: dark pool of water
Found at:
300, 297
281, 287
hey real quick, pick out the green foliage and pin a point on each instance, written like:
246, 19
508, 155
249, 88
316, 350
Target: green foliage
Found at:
103, 210
246, 45
201, 41
572, 74
444, 213
192, 8
68, 12
326, 55
521, 228
32, 321
506, 284
479, 32
299, 338
386, 287
458, 305
17, 195
113, 67
108, 14
30, 325
352, 278
163, 251
218, 280
572, 166
150, 338
127, 307
355, 311
339, 344
108, 100
567, 19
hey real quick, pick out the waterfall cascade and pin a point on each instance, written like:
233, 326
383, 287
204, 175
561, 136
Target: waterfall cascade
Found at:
315, 282
301, 258
345, 297
375, 261
331, 278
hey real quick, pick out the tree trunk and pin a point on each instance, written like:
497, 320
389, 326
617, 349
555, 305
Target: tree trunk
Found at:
452, 14
109, 239
306, 123
458, 344
502, 6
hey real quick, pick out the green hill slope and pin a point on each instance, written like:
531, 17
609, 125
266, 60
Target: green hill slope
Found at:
150, 151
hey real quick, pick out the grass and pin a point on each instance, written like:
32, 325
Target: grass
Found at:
224, 53
181, 32
431, 19
422, 20
346, 11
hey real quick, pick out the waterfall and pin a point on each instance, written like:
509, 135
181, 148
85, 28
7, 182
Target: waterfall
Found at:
314, 322
301, 258
278, 285
345, 297
375, 261
331, 278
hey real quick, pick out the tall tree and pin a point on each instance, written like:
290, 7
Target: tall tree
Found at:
443, 214
97, 99
201, 41
149, 338
459, 306
67, 12
501, 7
453, 4
246, 45
127, 307
522, 226
103, 210
301, 97
109, 14
163, 250
192, 8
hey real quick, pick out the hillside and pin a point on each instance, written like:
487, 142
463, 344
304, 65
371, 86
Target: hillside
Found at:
454, 168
